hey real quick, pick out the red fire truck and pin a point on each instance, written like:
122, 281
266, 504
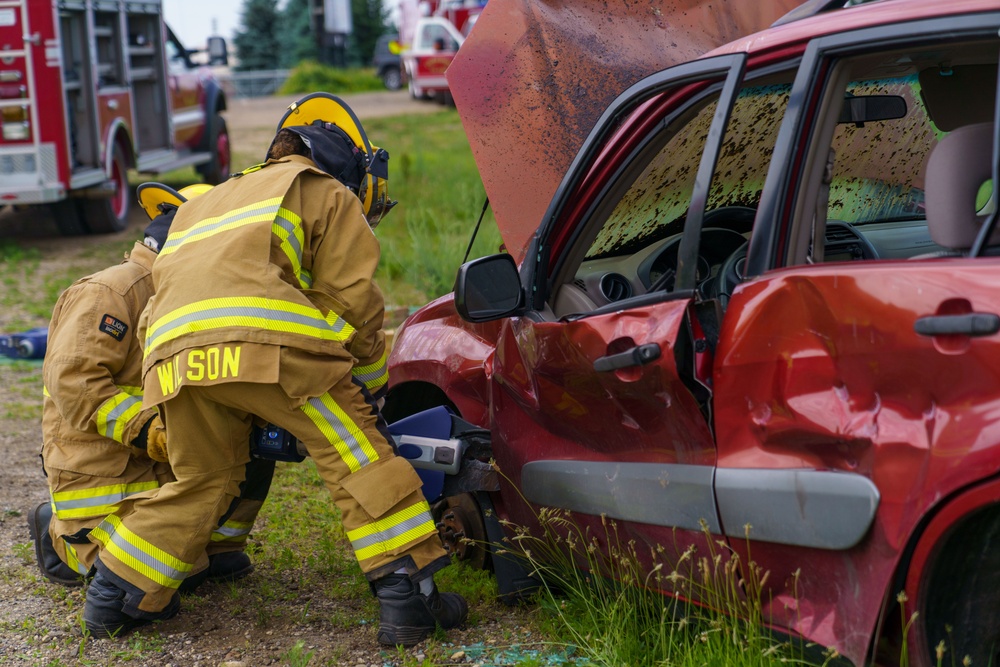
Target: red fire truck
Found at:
431, 42
90, 89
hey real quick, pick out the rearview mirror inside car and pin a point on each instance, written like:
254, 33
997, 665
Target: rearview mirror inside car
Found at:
863, 109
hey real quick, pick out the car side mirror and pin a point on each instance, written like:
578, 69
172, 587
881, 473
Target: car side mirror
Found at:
218, 52
488, 288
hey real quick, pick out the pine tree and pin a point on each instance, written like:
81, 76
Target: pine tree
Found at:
257, 42
297, 35
370, 20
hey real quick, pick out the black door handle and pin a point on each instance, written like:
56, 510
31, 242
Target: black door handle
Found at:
969, 324
637, 356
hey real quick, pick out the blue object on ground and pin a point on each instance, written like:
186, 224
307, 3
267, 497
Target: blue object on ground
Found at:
28, 344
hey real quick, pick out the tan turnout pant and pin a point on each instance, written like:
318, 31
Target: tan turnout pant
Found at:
156, 538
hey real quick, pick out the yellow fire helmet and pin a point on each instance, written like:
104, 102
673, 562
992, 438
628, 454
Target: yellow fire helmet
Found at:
156, 197
340, 147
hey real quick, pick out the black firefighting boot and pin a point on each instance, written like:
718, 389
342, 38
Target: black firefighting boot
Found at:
49, 562
229, 566
225, 567
407, 616
112, 608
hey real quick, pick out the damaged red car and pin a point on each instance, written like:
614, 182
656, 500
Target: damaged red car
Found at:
765, 292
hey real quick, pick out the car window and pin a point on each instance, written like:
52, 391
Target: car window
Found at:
631, 245
176, 58
893, 110
435, 36
655, 206
879, 166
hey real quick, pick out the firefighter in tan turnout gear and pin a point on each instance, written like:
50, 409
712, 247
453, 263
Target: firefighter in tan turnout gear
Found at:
265, 305
100, 446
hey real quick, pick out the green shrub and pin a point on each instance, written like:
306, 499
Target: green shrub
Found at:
310, 76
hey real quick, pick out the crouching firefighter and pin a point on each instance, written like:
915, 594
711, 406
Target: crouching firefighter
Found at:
101, 448
266, 306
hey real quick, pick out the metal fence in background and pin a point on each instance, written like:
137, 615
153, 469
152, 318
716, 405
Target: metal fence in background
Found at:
261, 83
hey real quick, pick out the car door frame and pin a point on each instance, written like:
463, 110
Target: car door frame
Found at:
723, 76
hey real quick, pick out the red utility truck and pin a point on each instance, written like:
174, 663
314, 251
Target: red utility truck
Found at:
90, 89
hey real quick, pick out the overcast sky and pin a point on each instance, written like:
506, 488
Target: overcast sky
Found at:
193, 20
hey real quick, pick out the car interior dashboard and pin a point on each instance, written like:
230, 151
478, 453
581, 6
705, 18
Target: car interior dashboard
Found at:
606, 280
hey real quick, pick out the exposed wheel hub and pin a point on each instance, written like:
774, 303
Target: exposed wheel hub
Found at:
460, 526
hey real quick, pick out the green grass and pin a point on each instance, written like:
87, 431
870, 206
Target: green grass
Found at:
434, 177
616, 603
310, 76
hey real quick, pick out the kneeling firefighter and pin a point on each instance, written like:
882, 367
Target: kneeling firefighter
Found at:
266, 308
100, 446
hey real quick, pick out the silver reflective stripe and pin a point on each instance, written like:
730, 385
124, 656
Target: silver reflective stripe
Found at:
266, 317
149, 561
371, 376
229, 532
292, 239
342, 431
199, 230
130, 403
391, 533
95, 501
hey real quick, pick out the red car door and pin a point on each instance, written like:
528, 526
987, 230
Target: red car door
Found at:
594, 406
858, 383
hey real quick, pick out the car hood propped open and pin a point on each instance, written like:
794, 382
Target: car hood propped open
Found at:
534, 76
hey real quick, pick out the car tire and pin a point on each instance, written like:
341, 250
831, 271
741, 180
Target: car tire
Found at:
217, 169
963, 610
392, 78
416, 92
108, 215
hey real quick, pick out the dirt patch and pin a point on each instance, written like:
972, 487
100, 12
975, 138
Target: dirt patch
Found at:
278, 615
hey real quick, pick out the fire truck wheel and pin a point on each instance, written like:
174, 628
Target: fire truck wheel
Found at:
68, 218
110, 214
217, 170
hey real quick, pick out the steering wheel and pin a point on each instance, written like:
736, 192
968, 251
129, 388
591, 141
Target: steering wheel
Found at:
736, 218
731, 274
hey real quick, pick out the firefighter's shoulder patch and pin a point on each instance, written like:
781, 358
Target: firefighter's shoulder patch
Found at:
114, 327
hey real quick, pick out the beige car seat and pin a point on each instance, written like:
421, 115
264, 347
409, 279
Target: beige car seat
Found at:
956, 170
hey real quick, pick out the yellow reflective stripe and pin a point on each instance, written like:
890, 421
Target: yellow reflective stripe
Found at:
97, 501
232, 530
287, 226
247, 312
261, 211
250, 170
144, 557
392, 532
45, 392
73, 560
115, 414
305, 279
336, 426
374, 375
